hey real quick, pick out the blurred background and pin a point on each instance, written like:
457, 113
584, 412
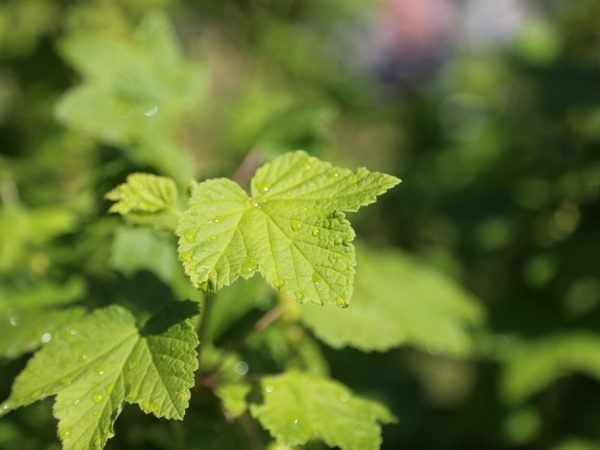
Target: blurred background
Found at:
489, 111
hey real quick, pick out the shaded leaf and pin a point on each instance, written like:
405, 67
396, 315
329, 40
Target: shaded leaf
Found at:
103, 361
398, 300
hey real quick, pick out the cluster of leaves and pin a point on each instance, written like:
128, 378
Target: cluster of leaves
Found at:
292, 230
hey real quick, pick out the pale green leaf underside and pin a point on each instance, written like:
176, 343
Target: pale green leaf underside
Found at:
103, 361
532, 366
399, 300
292, 229
300, 407
143, 193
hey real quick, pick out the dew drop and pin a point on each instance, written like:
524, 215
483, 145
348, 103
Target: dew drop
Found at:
100, 371
334, 174
152, 111
269, 389
296, 421
73, 332
216, 219
436, 346
263, 187
189, 235
46, 337
315, 232
316, 279
97, 397
13, 320
76, 402
64, 434
212, 238
307, 166
252, 203
66, 381
241, 368
5, 407
344, 397
187, 255
299, 296
342, 302
278, 283
296, 224
249, 266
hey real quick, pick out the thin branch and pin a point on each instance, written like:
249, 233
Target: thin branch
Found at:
267, 319
253, 160
204, 324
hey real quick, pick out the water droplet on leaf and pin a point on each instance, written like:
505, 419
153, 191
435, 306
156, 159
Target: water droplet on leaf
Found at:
13, 320
46, 337
269, 389
64, 434
189, 235
249, 266
315, 232
296, 224
97, 397
278, 283
152, 111
299, 296
241, 368
342, 302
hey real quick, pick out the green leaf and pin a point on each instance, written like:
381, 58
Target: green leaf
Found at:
103, 361
398, 300
137, 91
291, 229
300, 407
233, 396
24, 229
143, 193
532, 366
31, 317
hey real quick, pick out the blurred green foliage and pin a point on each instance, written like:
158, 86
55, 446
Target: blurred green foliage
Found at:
479, 275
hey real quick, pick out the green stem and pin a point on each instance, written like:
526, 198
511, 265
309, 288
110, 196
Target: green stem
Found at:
271, 316
204, 323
